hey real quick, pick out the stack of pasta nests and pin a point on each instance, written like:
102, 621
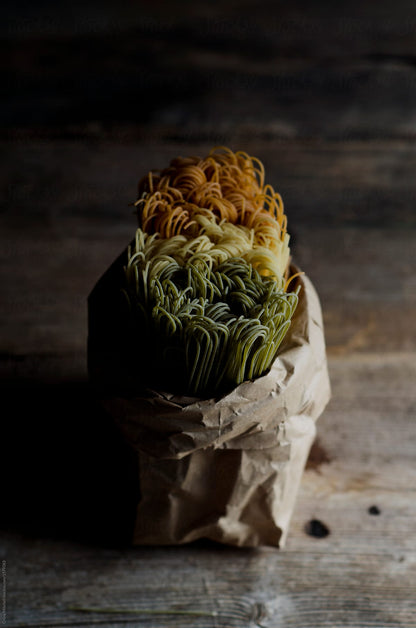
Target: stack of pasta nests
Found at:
207, 275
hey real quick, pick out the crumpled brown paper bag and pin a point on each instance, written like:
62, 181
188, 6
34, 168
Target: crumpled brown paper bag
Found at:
226, 469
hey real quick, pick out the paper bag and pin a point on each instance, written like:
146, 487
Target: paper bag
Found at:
226, 469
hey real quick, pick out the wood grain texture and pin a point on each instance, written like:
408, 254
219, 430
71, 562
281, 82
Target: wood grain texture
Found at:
92, 98
321, 71
361, 574
66, 205
62, 544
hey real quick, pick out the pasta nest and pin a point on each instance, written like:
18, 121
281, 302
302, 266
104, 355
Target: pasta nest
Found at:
207, 276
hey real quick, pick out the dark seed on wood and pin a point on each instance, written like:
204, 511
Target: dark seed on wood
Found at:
374, 510
316, 528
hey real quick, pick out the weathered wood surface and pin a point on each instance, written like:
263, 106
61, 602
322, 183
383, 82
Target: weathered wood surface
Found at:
352, 219
93, 98
361, 574
223, 71
68, 496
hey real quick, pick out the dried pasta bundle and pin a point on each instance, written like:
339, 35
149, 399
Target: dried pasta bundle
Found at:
203, 327
206, 276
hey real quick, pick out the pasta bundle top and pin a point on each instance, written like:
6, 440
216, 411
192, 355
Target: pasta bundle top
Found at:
207, 276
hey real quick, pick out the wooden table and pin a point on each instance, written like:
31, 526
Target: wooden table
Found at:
95, 97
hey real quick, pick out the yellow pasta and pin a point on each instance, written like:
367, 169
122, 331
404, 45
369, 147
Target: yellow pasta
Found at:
224, 187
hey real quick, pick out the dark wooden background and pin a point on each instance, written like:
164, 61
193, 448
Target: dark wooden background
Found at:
94, 94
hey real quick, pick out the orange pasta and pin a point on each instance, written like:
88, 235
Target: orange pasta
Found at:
225, 186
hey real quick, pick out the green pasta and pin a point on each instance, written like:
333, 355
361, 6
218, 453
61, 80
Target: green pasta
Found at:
202, 327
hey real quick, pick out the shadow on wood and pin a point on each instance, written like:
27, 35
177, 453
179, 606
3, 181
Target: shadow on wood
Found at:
67, 472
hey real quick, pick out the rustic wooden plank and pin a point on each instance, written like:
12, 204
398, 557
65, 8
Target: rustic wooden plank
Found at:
222, 24
46, 311
361, 574
67, 207
334, 183
362, 99
90, 102
44, 331
65, 218
216, 72
208, 588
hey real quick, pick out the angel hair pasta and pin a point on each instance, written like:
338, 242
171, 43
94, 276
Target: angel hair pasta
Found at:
206, 279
